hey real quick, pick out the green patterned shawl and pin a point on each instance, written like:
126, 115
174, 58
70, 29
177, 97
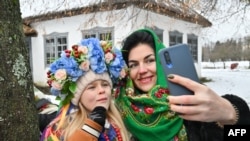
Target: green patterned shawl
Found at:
147, 116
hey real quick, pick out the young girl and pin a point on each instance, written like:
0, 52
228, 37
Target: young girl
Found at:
83, 78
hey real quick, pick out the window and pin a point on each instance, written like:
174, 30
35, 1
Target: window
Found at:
193, 45
175, 37
102, 33
158, 31
55, 43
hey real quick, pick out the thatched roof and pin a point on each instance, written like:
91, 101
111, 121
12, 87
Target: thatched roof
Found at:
28, 31
169, 8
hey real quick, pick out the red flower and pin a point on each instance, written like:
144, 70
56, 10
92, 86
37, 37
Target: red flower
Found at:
176, 138
158, 95
148, 110
116, 92
135, 108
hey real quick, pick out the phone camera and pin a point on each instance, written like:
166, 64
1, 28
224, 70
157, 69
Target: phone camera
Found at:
168, 60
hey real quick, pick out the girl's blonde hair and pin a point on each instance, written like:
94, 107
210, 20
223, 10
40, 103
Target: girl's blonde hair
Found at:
75, 121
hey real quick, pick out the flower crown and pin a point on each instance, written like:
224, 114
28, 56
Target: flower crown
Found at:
99, 56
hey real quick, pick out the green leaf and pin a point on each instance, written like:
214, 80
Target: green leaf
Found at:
67, 99
65, 89
50, 139
58, 98
72, 87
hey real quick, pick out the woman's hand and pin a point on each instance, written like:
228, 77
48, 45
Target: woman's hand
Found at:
205, 105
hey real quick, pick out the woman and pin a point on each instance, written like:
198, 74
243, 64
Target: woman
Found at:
83, 78
150, 113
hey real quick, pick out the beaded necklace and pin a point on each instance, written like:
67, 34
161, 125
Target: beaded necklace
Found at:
110, 134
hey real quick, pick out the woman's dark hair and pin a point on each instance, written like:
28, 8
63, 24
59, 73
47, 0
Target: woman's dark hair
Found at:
134, 39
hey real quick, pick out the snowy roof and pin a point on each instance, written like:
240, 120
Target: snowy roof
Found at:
47, 9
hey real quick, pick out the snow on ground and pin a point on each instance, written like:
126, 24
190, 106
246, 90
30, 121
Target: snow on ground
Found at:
226, 81
51, 98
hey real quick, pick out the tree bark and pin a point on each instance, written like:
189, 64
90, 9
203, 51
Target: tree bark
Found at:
18, 115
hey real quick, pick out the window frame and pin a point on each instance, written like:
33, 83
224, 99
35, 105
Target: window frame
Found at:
176, 35
192, 41
96, 31
55, 51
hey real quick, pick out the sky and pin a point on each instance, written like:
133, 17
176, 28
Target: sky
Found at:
225, 23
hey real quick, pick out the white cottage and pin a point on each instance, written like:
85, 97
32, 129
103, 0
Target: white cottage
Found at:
58, 30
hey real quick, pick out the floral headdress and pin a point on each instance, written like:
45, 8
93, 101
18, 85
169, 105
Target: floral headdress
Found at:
90, 54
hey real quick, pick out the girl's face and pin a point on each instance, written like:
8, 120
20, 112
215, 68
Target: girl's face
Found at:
97, 93
142, 66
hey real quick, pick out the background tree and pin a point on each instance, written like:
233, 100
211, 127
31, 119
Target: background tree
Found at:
220, 53
239, 50
246, 49
230, 50
206, 50
233, 50
246, 55
247, 41
18, 116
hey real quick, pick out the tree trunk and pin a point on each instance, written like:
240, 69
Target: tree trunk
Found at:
224, 64
249, 64
18, 115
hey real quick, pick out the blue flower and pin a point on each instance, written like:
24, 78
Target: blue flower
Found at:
55, 92
69, 64
116, 65
95, 55
97, 64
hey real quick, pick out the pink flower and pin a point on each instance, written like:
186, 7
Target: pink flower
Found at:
83, 49
109, 57
61, 74
84, 65
56, 85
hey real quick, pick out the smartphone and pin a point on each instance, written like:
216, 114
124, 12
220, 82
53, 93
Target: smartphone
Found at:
177, 59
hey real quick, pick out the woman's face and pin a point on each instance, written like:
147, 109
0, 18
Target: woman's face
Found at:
141, 63
97, 93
